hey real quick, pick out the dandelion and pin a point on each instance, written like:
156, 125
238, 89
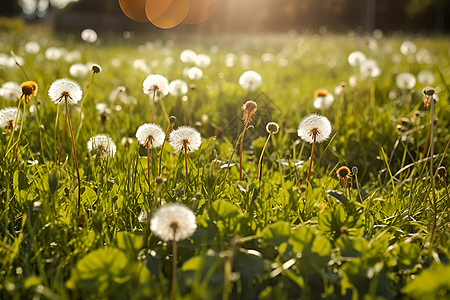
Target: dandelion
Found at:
345, 177
173, 222
78, 70
249, 109
101, 146
405, 81
202, 60
157, 86
356, 58
32, 47
29, 89
441, 174
271, 128
195, 73
10, 90
150, 136
250, 80
68, 91
323, 99
369, 68
8, 118
96, 68
178, 88
53, 53
314, 129
408, 48
188, 56
187, 139
425, 77
89, 35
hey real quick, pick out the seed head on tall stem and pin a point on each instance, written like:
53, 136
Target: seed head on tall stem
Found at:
271, 128
156, 86
314, 129
67, 91
249, 108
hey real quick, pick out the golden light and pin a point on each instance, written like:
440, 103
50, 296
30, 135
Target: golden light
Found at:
134, 9
201, 10
172, 16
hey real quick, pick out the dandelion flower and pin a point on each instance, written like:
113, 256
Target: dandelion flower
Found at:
356, 58
101, 146
53, 53
345, 176
29, 89
425, 77
195, 73
250, 80
323, 99
314, 125
10, 90
185, 137
369, 68
188, 56
178, 88
408, 48
202, 60
89, 35
65, 89
272, 127
156, 86
32, 47
8, 118
405, 81
173, 221
78, 70
150, 135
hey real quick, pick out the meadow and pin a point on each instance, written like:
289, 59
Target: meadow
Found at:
85, 229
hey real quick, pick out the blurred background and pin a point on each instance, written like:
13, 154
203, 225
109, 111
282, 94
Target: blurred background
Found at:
411, 16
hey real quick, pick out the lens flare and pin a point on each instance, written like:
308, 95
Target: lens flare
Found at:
172, 16
201, 10
155, 8
134, 9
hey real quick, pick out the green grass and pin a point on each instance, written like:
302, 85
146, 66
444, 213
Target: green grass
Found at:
254, 240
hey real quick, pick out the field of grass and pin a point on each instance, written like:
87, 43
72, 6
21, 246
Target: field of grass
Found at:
380, 233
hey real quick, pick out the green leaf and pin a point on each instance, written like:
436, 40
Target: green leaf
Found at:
338, 196
432, 283
277, 233
221, 209
20, 181
128, 242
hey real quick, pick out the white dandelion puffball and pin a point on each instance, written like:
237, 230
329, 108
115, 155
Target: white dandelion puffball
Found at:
101, 146
79, 70
195, 73
150, 134
188, 56
408, 48
314, 125
425, 77
65, 89
53, 53
202, 61
185, 136
369, 68
10, 90
230, 60
156, 86
250, 80
8, 117
178, 88
272, 127
32, 47
405, 81
324, 101
173, 221
89, 35
356, 58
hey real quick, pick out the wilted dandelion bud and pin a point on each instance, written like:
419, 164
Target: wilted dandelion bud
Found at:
355, 170
343, 173
249, 109
29, 89
173, 221
428, 92
96, 69
272, 127
172, 120
441, 174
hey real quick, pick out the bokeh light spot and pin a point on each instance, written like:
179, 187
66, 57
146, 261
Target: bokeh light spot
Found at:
155, 8
173, 15
201, 10
134, 9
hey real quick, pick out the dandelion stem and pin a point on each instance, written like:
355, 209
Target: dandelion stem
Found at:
186, 165
148, 165
260, 158
433, 192
174, 264
153, 105
75, 158
311, 159
240, 149
62, 141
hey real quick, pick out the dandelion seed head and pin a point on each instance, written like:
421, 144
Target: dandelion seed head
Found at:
272, 127
101, 146
54, 53
369, 68
195, 73
323, 99
170, 218
178, 88
78, 70
89, 35
425, 77
250, 80
188, 56
8, 118
356, 58
32, 47
408, 48
10, 90
314, 125
185, 136
65, 89
202, 60
405, 81
150, 135
156, 85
